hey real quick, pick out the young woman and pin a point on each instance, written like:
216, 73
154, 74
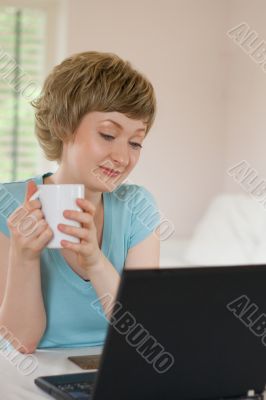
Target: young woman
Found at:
92, 117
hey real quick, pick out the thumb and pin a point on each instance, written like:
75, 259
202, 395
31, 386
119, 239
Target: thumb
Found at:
31, 189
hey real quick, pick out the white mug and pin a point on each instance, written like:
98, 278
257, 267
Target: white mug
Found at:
55, 200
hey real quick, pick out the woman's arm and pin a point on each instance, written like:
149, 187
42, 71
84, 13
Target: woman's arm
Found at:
105, 278
145, 254
92, 263
22, 313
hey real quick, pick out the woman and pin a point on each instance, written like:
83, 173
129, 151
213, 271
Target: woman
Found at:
92, 117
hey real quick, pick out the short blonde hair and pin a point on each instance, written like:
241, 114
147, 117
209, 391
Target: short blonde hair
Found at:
86, 82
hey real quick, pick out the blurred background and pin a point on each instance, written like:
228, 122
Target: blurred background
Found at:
210, 85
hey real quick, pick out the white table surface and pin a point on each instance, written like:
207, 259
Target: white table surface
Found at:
17, 372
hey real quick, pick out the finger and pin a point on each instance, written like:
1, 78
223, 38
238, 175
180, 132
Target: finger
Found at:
28, 225
38, 214
31, 189
76, 247
80, 233
82, 217
86, 205
41, 227
37, 229
44, 238
23, 215
33, 204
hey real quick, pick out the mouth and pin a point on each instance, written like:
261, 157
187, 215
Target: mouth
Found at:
110, 172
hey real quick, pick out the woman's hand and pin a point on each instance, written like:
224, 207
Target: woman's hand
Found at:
29, 232
87, 251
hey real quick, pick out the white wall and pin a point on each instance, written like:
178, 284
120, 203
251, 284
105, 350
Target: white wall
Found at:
246, 94
211, 95
179, 46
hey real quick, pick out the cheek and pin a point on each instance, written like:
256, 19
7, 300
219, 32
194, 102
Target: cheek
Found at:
86, 152
134, 158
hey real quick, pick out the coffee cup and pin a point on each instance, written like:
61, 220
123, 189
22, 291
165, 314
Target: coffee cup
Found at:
55, 200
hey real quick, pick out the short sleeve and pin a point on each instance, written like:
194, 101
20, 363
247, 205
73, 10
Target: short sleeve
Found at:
7, 205
145, 216
3, 226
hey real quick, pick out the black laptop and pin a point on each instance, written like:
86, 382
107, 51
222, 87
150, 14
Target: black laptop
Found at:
179, 333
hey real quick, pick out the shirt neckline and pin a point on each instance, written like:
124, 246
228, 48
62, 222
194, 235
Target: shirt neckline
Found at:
106, 239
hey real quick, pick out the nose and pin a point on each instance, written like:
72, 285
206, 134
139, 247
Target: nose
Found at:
120, 154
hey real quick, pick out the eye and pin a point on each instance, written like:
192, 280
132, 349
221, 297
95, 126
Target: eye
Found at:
109, 138
136, 145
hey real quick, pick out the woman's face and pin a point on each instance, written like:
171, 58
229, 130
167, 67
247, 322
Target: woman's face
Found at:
104, 139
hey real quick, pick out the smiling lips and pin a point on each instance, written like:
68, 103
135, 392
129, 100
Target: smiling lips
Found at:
110, 172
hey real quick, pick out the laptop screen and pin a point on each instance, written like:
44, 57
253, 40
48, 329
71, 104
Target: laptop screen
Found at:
191, 333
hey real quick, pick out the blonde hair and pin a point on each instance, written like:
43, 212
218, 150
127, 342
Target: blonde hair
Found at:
86, 82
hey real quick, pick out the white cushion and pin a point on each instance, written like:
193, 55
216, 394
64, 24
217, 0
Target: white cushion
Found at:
232, 231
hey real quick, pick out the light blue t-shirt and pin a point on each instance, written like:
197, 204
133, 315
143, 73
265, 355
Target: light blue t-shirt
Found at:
130, 215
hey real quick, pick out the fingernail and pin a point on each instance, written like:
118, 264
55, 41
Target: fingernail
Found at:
34, 196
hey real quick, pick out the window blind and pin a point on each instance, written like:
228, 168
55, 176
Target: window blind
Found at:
22, 33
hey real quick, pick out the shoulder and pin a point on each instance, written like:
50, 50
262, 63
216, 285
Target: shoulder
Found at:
16, 189
133, 194
137, 206
12, 191
11, 197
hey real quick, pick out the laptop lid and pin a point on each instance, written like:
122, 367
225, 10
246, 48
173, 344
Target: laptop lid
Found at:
186, 333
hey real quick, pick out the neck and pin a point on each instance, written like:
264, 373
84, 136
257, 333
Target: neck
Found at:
59, 177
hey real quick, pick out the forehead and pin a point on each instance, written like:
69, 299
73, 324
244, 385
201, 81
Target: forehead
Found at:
119, 120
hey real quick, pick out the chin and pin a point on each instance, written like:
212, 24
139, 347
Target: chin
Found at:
110, 184
109, 187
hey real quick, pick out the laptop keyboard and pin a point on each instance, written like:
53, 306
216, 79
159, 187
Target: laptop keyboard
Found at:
79, 390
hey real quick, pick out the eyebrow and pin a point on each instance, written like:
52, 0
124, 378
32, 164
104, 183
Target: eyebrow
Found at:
120, 126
